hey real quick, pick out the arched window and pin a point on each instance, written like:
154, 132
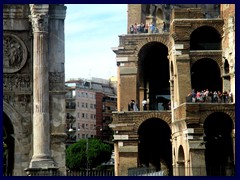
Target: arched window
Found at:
226, 67
219, 147
154, 75
205, 38
205, 74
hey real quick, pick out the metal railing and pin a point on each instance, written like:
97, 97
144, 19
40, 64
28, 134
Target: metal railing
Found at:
67, 173
144, 171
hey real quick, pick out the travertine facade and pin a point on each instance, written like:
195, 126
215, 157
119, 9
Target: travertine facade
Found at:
196, 51
33, 86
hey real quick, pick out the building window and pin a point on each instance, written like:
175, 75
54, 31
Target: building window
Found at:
86, 105
83, 115
83, 105
78, 115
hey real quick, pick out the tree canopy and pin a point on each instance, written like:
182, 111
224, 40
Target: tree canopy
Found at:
77, 154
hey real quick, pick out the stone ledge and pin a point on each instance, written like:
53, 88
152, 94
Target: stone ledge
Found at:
128, 149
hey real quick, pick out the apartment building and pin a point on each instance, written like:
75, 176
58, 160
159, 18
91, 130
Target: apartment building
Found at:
89, 106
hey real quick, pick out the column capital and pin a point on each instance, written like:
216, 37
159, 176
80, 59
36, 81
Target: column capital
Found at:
39, 17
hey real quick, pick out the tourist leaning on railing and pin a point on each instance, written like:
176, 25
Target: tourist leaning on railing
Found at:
210, 96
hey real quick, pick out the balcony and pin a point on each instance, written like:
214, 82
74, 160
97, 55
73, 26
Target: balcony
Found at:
71, 106
70, 96
192, 111
70, 119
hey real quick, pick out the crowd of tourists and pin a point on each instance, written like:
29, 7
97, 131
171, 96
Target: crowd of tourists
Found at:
145, 28
210, 96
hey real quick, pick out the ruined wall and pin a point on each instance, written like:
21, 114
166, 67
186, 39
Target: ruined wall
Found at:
228, 42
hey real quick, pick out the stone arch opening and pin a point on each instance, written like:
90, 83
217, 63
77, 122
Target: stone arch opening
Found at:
154, 148
226, 67
226, 76
9, 144
172, 69
159, 19
219, 154
181, 161
205, 74
153, 75
205, 38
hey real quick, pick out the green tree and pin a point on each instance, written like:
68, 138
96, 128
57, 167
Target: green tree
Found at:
78, 155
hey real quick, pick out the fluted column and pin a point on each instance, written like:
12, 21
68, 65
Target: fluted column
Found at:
41, 132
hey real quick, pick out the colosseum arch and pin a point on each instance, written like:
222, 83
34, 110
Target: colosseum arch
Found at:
164, 39
218, 28
219, 144
153, 75
165, 116
205, 38
206, 74
154, 145
181, 161
205, 114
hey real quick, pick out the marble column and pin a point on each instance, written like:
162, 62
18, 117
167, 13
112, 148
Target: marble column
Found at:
41, 128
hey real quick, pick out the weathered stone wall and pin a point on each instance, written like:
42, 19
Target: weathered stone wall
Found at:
56, 59
228, 42
18, 82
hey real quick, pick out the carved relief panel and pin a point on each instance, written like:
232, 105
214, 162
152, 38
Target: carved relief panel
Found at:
14, 53
17, 82
56, 80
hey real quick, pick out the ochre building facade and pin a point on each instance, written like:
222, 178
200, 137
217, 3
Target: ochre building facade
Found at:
193, 52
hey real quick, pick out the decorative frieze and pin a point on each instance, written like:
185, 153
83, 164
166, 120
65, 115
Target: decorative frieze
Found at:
17, 82
56, 77
21, 102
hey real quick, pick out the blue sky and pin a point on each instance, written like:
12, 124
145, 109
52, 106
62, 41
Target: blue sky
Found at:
91, 30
